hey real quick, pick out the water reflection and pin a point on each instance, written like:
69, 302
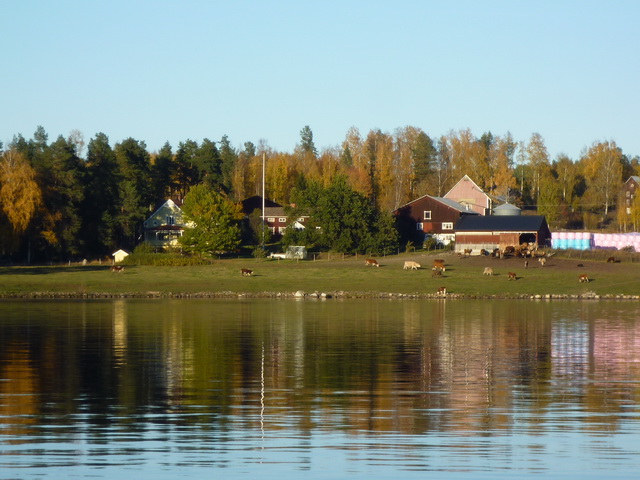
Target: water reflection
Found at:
353, 387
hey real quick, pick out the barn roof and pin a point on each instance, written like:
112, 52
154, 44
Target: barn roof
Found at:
508, 223
445, 201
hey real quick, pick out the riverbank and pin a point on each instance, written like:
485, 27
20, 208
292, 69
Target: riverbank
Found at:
332, 278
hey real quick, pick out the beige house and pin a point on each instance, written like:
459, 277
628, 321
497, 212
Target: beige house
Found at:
470, 196
165, 226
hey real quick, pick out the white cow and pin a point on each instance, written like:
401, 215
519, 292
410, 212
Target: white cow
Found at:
410, 265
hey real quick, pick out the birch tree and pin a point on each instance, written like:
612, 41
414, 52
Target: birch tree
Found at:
603, 172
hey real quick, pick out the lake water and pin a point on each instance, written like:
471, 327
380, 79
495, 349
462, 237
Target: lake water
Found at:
286, 389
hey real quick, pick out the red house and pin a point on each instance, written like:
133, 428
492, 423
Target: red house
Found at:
430, 216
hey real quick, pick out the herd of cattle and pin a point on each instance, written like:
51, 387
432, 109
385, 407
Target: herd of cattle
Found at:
526, 250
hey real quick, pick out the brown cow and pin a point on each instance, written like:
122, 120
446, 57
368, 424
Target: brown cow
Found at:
246, 272
117, 269
583, 277
467, 252
611, 260
437, 272
442, 290
371, 262
512, 276
439, 264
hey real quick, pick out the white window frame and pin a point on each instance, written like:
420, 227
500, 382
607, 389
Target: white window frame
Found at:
447, 225
427, 215
271, 219
282, 219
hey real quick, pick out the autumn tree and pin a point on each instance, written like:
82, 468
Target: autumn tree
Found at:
603, 172
20, 195
537, 159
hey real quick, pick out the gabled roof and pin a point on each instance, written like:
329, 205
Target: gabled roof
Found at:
466, 178
635, 178
506, 223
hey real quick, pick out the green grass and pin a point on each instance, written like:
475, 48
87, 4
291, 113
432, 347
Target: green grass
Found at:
463, 276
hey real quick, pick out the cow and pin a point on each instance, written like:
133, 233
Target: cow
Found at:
483, 252
542, 261
512, 276
467, 252
583, 277
442, 290
246, 272
437, 272
409, 265
371, 262
117, 269
611, 260
439, 264
510, 250
488, 271
526, 264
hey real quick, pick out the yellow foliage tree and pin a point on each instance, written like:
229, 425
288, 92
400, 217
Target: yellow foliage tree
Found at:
20, 195
602, 166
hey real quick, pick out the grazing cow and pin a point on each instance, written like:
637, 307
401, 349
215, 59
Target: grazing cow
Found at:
409, 265
488, 271
246, 272
439, 264
437, 272
542, 261
583, 277
117, 269
580, 265
611, 260
510, 250
467, 251
371, 262
442, 290
512, 276
526, 264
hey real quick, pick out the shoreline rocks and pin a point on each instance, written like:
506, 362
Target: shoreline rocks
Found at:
299, 294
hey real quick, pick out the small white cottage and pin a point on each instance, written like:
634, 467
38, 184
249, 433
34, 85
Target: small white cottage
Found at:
119, 256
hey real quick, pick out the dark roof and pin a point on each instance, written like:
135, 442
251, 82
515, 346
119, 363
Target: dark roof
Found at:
251, 203
501, 223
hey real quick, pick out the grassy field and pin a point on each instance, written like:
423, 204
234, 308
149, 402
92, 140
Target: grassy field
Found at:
462, 277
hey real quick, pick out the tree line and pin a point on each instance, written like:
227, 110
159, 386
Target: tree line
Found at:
67, 199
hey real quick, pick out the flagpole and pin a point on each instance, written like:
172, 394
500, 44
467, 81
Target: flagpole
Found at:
263, 188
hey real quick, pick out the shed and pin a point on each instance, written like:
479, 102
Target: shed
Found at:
119, 255
498, 231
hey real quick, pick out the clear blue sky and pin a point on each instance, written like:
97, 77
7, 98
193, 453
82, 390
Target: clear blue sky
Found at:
175, 70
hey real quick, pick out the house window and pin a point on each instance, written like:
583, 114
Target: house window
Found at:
628, 193
419, 226
427, 215
171, 220
301, 220
271, 219
447, 225
282, 220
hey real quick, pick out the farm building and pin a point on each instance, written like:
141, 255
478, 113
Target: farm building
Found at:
470, 196
427, 215
500, 231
